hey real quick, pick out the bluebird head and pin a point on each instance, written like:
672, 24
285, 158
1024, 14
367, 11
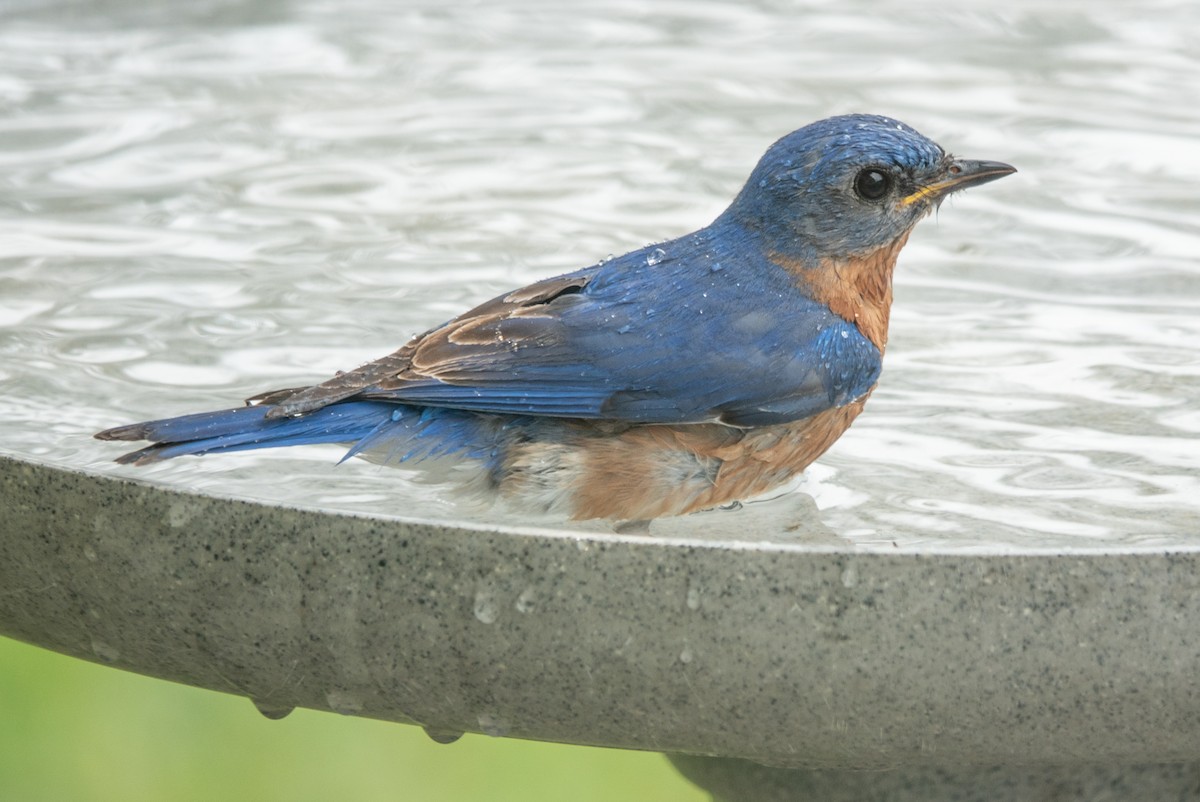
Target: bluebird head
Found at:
846, 186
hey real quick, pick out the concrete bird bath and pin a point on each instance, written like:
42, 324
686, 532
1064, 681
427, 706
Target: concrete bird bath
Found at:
851, 672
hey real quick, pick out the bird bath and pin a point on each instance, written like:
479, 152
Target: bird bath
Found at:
927, 668
987, 589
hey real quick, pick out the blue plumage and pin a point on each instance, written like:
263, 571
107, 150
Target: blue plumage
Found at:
662, 343
371, 425
684, 374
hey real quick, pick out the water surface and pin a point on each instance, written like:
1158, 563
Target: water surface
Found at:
202, 202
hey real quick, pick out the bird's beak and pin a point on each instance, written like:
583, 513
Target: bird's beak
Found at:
960, 174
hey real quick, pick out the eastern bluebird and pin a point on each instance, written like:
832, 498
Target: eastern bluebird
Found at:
681, 376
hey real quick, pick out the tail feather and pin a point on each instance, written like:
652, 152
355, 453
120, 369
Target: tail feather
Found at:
360, 422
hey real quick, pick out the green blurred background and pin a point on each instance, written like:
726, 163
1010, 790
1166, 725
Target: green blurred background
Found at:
72, 730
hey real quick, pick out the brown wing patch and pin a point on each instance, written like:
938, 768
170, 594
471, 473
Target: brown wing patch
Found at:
272, 397
541, 292
339, 388
448, 353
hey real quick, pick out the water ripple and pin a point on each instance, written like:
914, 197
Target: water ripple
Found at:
201, 204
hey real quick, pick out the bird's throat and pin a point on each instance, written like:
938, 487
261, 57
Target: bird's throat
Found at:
857, 288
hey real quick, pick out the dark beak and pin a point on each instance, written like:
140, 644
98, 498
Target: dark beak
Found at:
961, 173
969, 172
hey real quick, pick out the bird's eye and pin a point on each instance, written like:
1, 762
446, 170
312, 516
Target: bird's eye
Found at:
872, 184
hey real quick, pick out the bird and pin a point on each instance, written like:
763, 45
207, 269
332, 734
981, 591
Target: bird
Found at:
689, 374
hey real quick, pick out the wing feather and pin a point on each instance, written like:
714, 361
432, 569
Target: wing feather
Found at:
605, 342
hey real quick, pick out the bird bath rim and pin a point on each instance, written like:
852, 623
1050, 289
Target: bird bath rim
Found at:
794, 655
778, 528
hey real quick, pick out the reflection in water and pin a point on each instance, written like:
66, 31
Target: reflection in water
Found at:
201, 205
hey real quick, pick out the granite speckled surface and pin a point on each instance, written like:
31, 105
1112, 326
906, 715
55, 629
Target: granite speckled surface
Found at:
733, 780
803, 654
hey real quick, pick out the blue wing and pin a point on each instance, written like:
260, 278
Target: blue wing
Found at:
683, 332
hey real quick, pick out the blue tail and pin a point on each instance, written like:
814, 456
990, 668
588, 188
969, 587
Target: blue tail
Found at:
409, 432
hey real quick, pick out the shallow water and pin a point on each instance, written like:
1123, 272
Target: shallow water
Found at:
203, 202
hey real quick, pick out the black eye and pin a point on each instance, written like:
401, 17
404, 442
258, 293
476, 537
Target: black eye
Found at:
872, 184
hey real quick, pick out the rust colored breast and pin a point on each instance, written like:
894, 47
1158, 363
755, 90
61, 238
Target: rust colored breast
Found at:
650, 471
858, 289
